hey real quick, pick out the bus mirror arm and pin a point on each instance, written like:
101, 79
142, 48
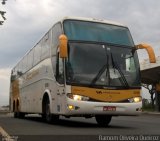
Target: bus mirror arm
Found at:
63, 41
149, 50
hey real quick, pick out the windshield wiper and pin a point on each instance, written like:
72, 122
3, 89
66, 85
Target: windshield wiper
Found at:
106, 66
98, 75
115, 66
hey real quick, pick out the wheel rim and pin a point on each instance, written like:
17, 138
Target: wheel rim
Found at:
48, 113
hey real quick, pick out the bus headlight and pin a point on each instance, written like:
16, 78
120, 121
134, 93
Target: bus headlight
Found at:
135, 99
77, 97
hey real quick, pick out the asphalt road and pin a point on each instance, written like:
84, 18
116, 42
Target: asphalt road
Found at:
33, 125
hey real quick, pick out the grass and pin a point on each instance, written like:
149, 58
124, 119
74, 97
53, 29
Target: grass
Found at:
148, 107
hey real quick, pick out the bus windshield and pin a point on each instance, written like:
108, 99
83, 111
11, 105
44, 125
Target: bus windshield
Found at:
102, 65
100, 55
97, 32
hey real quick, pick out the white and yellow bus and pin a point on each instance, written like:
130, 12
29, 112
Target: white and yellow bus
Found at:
81, 67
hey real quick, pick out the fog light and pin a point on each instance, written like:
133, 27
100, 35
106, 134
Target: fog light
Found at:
139, 109
71, 107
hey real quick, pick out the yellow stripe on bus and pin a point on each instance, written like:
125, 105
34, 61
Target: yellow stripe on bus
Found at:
105, 95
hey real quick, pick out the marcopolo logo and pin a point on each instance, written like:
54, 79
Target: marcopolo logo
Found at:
99, 92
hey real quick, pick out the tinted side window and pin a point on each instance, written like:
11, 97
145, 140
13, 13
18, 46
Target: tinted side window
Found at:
45, 43
13, 75
30, 59
59, 69
25, 64
54, 63
56, 32
37, 54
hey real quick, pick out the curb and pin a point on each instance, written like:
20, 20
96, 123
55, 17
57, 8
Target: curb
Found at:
151, 113
4, 112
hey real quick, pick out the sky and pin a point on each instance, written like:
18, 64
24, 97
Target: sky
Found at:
28, 20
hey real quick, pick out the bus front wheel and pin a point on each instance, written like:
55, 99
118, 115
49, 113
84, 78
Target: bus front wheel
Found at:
103, 120
49, 117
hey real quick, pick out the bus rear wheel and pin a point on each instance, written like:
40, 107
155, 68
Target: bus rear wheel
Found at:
19, 115
15, 115
103, 120
16, 109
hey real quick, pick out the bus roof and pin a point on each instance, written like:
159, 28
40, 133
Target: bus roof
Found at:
94, 20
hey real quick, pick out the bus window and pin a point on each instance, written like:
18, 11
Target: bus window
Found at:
56, 32
59, 70
45, 51
30, 59
130, 65
37, 54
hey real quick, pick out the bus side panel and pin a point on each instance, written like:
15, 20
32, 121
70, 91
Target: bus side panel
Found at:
35, 82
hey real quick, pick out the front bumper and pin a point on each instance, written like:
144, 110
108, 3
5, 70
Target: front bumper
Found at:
97, 108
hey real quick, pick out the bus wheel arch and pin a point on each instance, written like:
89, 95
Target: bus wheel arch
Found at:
17, 105
44, 100
16, 109
14, 106
46, 109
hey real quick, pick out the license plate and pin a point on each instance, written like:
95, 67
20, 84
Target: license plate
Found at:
109, 108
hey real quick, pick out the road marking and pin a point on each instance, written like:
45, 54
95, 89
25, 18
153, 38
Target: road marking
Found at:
6, 136
3, 132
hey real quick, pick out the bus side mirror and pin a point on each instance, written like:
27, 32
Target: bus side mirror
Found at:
149, 50
63, 46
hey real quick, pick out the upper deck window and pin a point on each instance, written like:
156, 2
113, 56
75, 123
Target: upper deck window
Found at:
97, 32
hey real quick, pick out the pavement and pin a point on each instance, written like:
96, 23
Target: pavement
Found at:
151, 113
8, 112
4, 112
143, 112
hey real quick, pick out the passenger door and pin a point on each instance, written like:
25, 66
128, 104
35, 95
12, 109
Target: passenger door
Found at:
60, 84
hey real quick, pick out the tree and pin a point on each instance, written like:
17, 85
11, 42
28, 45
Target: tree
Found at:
152, 91
155, 95
2, 13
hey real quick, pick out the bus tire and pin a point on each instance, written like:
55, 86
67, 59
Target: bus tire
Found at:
50, 118
21, 115
103, 120
15, 115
